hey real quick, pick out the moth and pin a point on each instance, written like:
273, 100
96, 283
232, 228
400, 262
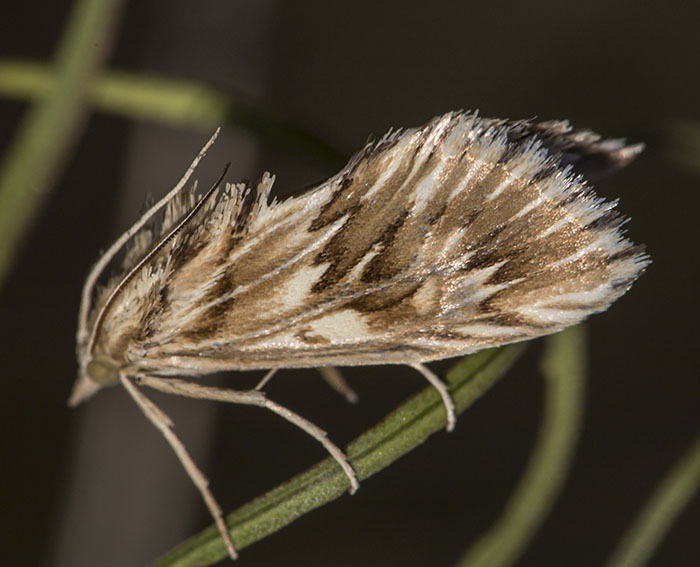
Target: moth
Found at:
431, 243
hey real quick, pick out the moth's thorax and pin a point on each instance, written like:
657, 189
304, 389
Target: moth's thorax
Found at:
129, 318
100, 363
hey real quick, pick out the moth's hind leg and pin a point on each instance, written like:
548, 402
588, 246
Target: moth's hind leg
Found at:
253, 398
265, 379
332, 377
441, 387
165, 425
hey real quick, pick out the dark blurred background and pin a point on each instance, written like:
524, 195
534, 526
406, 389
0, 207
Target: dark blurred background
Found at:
98, 486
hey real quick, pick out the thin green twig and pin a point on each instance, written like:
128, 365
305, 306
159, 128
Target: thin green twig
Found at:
656, 518
563, 367
177, 103
51, 126
402, 430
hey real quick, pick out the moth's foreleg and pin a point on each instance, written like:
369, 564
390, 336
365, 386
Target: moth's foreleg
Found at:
165, 425
253, 398
441, 387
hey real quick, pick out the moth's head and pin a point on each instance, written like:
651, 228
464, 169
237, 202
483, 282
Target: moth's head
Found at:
96, 372
95, 368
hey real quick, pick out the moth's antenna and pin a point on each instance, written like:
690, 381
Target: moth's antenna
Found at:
100, 265
157, 248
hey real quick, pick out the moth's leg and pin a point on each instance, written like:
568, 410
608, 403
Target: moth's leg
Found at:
320, 435
265, 379
335, 380
165, 425
253, 398
332, 377
441, 387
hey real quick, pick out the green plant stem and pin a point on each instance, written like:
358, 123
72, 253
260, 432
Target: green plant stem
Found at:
656, 518
50, 127
402, 430
563, 368
177, 103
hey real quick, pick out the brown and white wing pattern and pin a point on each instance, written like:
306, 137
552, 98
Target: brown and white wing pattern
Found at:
432, 242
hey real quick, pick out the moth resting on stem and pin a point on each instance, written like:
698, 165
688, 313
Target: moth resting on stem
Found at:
431, 243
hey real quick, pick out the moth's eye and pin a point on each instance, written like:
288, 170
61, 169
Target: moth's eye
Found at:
103, 371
